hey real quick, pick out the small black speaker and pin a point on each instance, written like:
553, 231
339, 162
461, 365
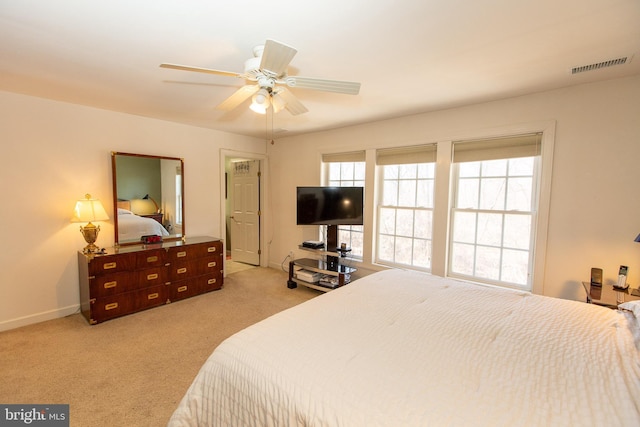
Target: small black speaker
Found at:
596, 276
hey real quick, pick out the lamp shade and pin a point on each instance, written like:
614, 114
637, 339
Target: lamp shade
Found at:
88, 210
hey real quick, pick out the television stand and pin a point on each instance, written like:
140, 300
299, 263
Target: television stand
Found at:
337, 274
326, 263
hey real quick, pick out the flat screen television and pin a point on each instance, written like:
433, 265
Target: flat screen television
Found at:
330, 205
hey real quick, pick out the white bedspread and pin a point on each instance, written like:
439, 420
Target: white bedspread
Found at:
408, 349
132, 227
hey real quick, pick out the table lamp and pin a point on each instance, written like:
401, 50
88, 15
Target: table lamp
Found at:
88, 210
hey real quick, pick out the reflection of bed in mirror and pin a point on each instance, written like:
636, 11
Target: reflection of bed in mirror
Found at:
132, 226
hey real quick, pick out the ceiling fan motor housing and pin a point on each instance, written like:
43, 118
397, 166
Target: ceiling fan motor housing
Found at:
252, 66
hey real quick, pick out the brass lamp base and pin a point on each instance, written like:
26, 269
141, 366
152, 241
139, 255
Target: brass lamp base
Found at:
90, 234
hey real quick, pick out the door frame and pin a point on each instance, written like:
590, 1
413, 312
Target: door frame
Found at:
264, 197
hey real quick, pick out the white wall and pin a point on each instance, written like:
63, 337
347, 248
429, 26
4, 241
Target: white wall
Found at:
595, 204
52, 154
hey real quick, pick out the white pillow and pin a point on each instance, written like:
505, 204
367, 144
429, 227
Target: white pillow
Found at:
632, 306
124, 212
631, 311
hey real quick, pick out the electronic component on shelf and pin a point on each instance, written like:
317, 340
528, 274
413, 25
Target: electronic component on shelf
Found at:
313, 244
329, 281
308, 276
343, 251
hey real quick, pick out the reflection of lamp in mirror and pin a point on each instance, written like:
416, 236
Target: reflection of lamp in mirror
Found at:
88, 210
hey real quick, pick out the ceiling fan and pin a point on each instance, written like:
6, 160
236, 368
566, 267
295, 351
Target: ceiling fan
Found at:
267, 70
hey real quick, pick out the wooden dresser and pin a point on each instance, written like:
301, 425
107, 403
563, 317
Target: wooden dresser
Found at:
133, 278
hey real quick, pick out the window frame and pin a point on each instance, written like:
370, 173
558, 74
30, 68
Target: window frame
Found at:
532, 213
380, 206
346, 232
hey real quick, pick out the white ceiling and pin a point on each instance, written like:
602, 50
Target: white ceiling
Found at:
410, 56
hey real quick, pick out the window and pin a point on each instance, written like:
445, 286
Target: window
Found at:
405, 208
493, 217
347, 170
178, 196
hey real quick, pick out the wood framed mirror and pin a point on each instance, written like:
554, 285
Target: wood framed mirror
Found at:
148, 197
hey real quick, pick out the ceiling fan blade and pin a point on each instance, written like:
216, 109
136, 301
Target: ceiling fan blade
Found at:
200, 70
349, 88
276, 57
238, 97
292, 105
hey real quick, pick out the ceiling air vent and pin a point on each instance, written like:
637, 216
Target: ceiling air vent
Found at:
598, 65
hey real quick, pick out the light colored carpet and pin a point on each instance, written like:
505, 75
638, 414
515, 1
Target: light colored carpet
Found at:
231, 266
133, 371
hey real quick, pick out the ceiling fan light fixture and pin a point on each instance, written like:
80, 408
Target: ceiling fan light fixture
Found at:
260, 109
260, 101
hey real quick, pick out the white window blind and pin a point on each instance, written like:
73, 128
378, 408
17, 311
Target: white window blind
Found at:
354, 156
406, 155
497, 148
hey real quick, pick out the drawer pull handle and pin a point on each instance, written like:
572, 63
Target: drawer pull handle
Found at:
153, 296
182, 288
111, 306
182, 270
152, 276
108, 285
109, 265
211, 281
212, 264
152, 258
181, 254
211, 249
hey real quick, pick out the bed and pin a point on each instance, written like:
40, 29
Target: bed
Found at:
132, 226
400, 348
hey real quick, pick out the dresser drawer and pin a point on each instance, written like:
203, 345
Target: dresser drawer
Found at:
200, 250
194, 286
108, 264
151, 258
210, 282
129, 302
111, 284
181, 270
183, 289
150, 277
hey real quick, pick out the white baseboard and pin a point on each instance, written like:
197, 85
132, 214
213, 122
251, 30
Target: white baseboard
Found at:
39, 317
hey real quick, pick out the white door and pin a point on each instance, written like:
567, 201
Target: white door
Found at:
245, 212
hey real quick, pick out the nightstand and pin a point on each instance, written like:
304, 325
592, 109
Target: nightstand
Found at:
607, 295
156, 216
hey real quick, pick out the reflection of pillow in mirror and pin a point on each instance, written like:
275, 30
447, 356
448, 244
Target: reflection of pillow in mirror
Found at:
143, 206
124, 212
